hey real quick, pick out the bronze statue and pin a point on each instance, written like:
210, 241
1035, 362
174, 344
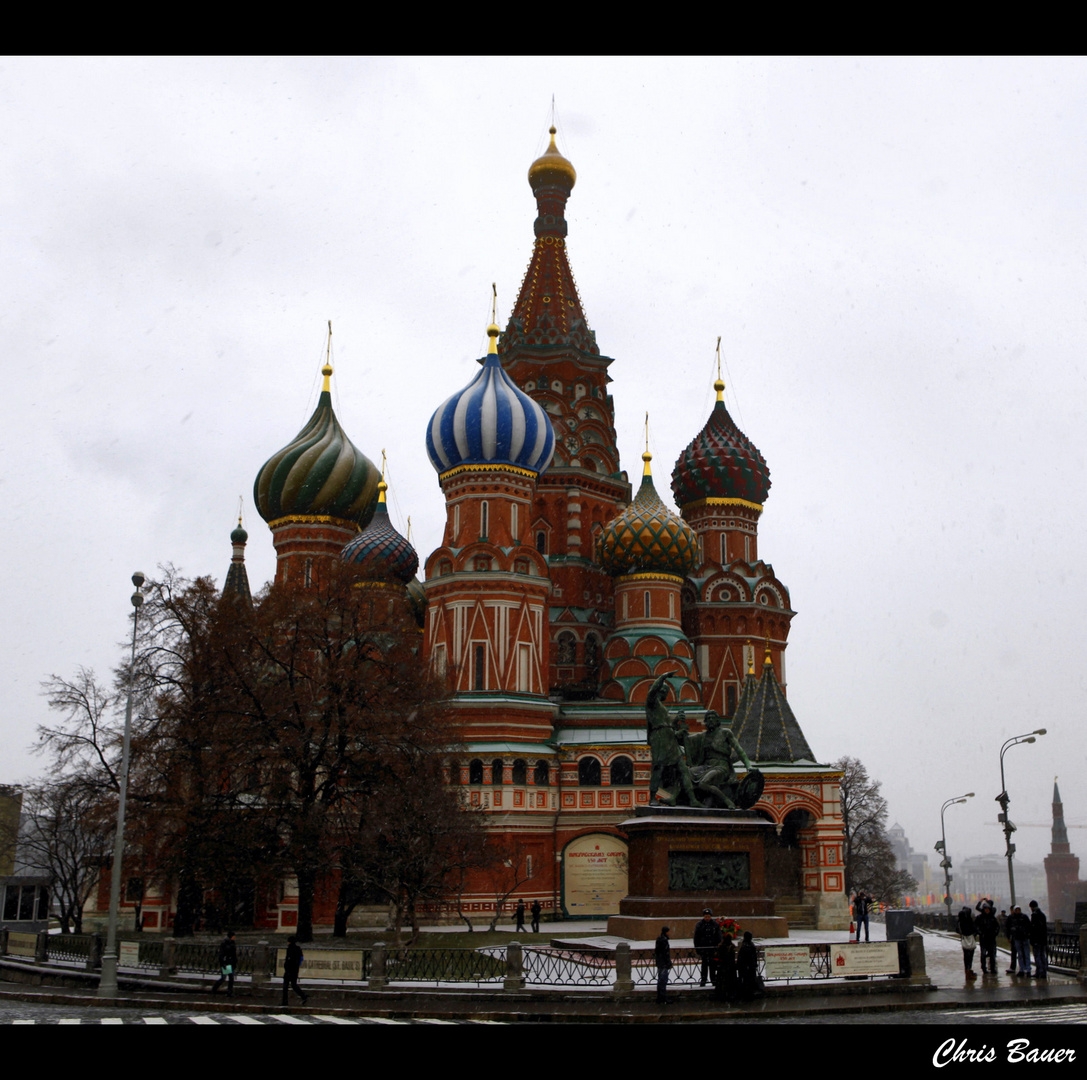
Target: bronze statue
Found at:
711, 756
670, 775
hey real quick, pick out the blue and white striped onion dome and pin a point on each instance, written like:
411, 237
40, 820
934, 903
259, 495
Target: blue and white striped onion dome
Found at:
490, 422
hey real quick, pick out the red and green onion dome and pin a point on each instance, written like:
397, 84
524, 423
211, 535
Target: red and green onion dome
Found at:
647, 537
721, 462
380, 549
320, 473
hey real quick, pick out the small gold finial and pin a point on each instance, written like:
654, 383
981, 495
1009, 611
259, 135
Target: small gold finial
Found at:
719, 385
408, 537
492, 332
382, 487
751, 662
240, 505
647, 457
326, 371
767, 662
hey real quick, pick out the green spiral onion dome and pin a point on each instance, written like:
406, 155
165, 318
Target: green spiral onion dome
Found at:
647, 537
721, 462
320, 473
380, 549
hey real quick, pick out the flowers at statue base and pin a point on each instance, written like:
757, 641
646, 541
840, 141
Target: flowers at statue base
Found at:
730, 926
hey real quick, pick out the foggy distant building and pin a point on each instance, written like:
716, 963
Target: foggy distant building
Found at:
913, 862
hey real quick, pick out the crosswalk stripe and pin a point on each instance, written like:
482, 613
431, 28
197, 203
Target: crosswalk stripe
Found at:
202, 1020
433, 1020
239, 1019
112, 1020
23, 1021
155, 1020
70, 1020
285, 1018
334, 1019
383, 1020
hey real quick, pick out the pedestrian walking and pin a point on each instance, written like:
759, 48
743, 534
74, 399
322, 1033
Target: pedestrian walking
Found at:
1039, 940
536, 909
291, 964
662, 954
519, 915
228, 964
968, 935
707, 936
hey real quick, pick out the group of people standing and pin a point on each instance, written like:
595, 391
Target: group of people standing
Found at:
519, 916
1025, 934
734, 972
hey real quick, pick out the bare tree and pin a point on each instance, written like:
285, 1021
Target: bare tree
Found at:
869, 857
67, 833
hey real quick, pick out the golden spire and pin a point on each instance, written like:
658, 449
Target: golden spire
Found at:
326, 371
719, 385
647, 457
382, 487
767, 662
493, 330
751, 662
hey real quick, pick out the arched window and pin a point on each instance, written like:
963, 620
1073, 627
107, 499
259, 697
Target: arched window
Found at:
496, 771
592, 655
588, 772
622, 771
567, 647
541, 542
520, 771
542, 774
475, 771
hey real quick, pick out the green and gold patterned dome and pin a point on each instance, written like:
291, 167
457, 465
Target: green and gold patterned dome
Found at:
647, 538
320, 473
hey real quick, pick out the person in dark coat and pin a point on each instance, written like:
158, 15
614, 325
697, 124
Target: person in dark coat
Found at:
535, 909
1006, 930
726, 984
860, 913
707, 936
291, 963
747, 967
519, 915
988, 929
1019, 933
662, 954
228, 964
1039, 939
968, 933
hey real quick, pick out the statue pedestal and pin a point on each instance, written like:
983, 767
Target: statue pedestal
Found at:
683, 860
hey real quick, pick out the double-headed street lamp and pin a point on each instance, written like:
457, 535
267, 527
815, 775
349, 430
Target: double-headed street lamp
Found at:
941, 847
107, 984
1003, 798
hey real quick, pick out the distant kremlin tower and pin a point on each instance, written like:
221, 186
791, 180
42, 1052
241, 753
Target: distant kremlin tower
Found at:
555, 599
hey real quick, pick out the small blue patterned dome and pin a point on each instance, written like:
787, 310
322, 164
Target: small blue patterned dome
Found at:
380, 549
490, 422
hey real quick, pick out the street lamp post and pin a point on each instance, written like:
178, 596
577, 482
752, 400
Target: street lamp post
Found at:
941, 847
1003, 798
107, 984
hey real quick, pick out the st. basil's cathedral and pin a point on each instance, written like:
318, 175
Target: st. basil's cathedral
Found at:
556, 599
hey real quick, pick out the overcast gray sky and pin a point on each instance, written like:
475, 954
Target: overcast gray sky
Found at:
893, 251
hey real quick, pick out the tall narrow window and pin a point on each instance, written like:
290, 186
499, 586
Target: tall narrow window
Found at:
645, 602
307, 572
483, 520
523, 668
541, 542
724, 549
480, 660
513, 523
456, 522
